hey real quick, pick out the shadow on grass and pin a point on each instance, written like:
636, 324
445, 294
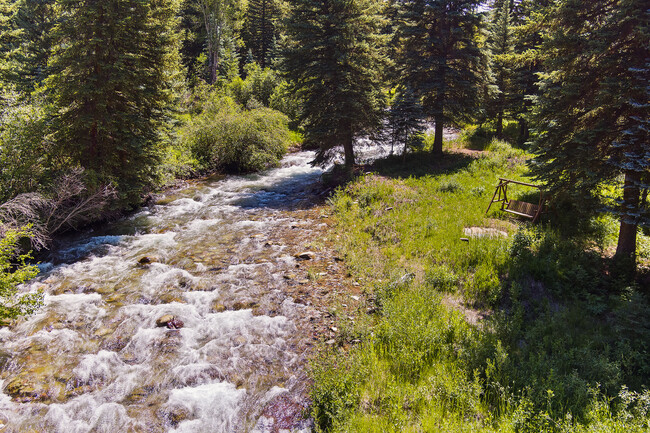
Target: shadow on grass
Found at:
420, 164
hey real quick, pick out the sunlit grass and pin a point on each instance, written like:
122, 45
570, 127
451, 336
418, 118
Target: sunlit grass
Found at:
558, 341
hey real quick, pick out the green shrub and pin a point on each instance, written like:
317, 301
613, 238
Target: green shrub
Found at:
24, 162
15, 270
226, 137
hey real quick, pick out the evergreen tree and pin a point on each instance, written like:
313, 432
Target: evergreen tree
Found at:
193, 41
9, 37
441, 58
35, 20
527, 18
501, 45
260, 28
593, 111
335, 60
114, 67
405, 119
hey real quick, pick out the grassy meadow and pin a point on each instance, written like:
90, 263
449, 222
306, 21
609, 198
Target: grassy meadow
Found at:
522, 330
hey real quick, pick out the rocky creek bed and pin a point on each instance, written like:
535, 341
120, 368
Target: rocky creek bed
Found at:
197, 314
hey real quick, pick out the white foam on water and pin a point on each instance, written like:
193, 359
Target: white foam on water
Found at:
82, 415
191, 374
213, 407
100, 367
105, 269
182, 206
76, 306
201, 225
161, 275
210, 348
155, 241
201, 300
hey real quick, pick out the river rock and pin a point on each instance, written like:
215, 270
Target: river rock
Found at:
305, 255
177, 414
175, 324
26, 388
163, 320
484, 232
219, 307
147, 260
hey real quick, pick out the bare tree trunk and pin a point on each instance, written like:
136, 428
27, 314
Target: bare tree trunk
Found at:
523, 131
437, 139
627, 233
625, 257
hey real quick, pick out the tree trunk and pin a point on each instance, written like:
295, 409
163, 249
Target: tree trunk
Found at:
437, 140
348, 145
214, 67
500, 125
627, 233
523, 131
625, 257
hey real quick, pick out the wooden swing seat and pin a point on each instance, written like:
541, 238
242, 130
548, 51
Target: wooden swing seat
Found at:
516, 207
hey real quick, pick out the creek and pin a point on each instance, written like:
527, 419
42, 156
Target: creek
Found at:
217, 255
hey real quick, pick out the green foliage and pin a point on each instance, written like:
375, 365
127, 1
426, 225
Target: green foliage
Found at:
557, 345
15, 270
334, 61
592, 114
405, 121
442, 59
26, 158
224, 136
221, 19
115, 66
260, 29
260, 84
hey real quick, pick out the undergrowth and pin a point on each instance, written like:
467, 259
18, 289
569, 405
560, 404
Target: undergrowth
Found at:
518, 329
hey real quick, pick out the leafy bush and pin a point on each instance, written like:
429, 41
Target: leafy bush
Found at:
223, 136
14, 270
259, 85
23, 146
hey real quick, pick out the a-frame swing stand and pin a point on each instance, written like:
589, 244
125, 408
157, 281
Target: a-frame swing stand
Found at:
521, 208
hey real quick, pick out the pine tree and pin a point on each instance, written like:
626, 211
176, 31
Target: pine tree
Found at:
9, 41
260, 28
501, 43
35, 20
405, 119
335, 61
527, 18
114, 67
593, 111
441, 58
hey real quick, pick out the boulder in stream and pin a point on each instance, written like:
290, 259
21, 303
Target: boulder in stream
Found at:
163, 320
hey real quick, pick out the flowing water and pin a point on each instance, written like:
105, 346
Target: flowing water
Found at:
216, 256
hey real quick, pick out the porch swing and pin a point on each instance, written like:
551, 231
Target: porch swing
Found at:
516, 207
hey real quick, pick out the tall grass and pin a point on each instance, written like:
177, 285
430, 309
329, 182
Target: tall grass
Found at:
560, 346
